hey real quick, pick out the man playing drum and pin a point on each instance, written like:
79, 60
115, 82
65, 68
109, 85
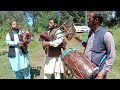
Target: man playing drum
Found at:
100, 43
53, 63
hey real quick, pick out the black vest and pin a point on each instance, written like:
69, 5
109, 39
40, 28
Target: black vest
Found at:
11, 52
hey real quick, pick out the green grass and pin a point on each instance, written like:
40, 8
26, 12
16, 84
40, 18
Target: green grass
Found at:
36, 56
5, 69
115, 71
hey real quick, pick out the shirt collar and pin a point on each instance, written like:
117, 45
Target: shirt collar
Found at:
98, 29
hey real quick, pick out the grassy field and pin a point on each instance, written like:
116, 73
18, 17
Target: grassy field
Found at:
36, 56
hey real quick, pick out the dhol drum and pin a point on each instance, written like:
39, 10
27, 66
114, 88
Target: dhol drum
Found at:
79, 64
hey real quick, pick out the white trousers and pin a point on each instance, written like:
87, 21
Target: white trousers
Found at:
53, 65
56, 75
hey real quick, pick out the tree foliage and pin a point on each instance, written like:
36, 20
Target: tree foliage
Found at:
40, 18
7, 16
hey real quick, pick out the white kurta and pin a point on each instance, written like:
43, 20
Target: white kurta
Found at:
54, 64
21, 60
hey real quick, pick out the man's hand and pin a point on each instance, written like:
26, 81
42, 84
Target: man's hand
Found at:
45, 44
20, 43
100, 76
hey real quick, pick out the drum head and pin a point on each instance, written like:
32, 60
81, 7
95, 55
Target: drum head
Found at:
94, 73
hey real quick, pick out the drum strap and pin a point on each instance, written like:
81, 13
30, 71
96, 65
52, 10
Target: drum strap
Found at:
81, 42
103, 58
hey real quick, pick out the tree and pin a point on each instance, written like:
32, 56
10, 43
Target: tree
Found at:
107, 16
79, 16
117, 17
40, 19
7, 16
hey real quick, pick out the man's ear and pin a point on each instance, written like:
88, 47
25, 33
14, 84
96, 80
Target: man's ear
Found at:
55, 24
96, 19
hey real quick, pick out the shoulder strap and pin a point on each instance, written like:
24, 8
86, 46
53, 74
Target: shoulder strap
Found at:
55, 32
11, 36
103, 58
90, 33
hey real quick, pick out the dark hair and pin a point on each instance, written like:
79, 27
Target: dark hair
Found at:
97, 14
54, 20
14, 20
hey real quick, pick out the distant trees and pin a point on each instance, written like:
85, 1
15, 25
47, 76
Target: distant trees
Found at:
40, 18
7, 16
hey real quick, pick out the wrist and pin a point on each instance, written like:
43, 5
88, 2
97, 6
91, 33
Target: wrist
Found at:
51, 43
103, 71
48, 43
18, 43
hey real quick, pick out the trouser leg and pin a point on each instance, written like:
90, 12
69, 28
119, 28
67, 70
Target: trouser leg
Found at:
57, 75
26, 73
47, 76
19, 74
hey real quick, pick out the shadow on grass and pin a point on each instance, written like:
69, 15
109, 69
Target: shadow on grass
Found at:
35, 71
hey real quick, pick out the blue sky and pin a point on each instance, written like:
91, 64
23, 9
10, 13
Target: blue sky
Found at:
30, 21
113, 13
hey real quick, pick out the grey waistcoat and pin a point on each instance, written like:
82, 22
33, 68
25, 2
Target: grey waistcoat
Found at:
98, 48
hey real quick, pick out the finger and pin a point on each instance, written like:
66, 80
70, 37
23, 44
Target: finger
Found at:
76, 37
43, 45
97, 77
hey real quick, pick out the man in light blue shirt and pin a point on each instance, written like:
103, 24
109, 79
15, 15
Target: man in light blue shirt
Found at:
19, 60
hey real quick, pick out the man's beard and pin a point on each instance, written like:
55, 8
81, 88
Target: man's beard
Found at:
50, 28
91, 25
15, 28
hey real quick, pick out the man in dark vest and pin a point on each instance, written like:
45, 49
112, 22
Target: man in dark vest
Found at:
18, 54
53, 64
100, 44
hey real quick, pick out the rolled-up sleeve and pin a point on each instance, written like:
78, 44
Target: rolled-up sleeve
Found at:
58, 40
110, 46
9, 42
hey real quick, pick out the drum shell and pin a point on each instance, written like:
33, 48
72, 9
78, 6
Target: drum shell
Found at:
80, 64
